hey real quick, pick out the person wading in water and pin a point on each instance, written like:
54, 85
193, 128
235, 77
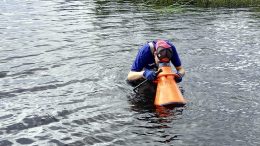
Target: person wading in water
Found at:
146, 64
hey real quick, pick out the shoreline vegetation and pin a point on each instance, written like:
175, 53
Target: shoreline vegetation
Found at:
205, 3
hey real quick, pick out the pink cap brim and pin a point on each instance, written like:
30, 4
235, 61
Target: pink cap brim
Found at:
162, 43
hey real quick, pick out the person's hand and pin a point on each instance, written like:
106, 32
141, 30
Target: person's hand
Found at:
178, 77
149, 74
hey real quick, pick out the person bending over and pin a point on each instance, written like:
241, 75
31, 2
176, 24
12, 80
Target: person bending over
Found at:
146, 64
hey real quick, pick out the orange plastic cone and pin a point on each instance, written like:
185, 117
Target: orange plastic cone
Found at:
168, 92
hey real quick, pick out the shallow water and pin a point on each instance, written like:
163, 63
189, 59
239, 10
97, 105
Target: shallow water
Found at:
63, 66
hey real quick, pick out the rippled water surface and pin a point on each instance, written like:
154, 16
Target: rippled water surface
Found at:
63, 66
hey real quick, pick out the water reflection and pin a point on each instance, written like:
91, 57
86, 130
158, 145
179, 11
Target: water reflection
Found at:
157, 120
63, 64
142, 104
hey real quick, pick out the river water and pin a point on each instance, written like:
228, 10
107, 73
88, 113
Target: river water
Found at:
63, 66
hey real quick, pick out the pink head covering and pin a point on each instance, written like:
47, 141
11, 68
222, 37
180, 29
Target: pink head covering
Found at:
162, 43
163, 50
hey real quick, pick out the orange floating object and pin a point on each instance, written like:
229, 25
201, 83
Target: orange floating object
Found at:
168, 92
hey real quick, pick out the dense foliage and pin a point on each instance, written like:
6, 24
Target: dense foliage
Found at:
205, 3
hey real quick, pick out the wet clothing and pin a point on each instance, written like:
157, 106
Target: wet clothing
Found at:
148, 89
145, 58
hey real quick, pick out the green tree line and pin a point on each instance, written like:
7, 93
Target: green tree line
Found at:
205, 3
